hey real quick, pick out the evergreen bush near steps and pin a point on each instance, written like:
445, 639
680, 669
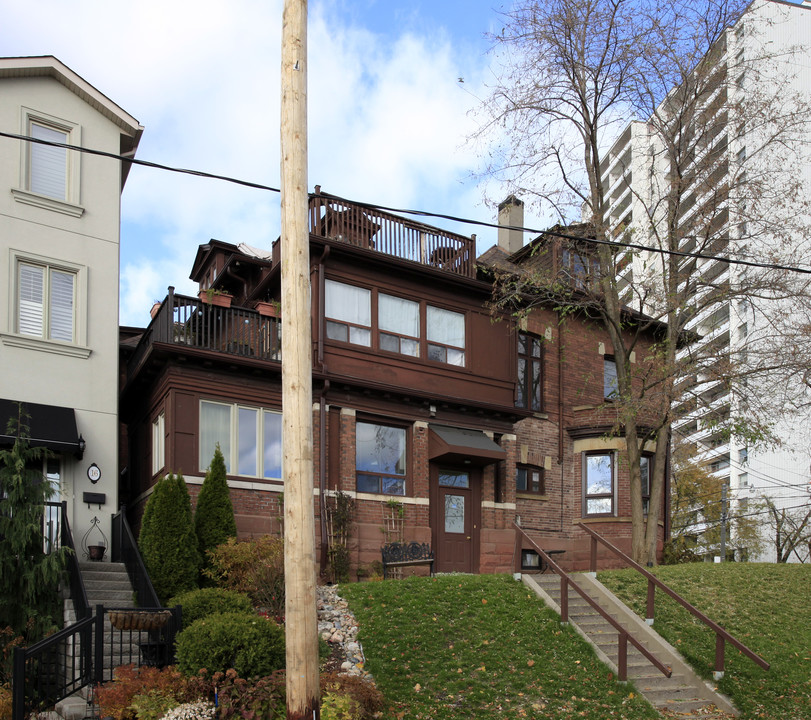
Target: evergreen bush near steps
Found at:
167, 541
214, 516
252, 645
198, 604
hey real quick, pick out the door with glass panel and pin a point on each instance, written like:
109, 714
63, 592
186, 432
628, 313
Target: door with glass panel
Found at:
456, 521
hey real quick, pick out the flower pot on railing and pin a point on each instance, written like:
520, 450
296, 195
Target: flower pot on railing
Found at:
216, 298
139, 619
267, 309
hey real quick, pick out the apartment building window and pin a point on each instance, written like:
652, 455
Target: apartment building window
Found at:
598, 484
380, 458
645, 469
396, 326
530, 479
250, 439
158, 443
610, 386
46, 302
530, 372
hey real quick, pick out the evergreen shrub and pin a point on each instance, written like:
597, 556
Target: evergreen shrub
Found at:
198, 604
167, 540
252, 645
214, 516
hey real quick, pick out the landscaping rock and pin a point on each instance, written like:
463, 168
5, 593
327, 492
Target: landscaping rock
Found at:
338, 626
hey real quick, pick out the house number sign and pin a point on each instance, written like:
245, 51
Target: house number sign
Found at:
94, 473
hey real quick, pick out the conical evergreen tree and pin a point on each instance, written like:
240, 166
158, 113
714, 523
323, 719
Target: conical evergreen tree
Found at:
214, 517
29, 578
167, 540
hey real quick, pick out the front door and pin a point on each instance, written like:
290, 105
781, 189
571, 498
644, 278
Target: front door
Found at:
456, 521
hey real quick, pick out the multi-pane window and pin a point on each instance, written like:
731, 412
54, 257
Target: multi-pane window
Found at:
46, 302
530, 372
529, 479
158, 443
380, 458
610, 386
250, 439
396, 326
399, 322
48, 165
598, 484
580, 269
645, 470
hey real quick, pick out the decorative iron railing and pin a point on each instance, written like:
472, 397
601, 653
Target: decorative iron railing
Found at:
196, 324
337, 219
125, 550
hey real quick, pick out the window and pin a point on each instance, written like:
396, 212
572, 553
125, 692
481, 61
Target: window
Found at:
48, 165
446, 336
250, 439
397, 324
598, 484
348, 310
530, 372
529, 479
158, 443
610, 387
380, 459
46, 301
645, 469
579, 268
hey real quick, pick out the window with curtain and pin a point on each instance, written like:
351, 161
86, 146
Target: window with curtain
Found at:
398, 320
530, 372
380, 458
250, 439
446, 336
46, 301
348, 310
598, 484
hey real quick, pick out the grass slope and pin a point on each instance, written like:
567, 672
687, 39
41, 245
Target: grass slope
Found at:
461, 646
767, 607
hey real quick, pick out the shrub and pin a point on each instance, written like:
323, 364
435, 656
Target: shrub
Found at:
263, 698
214, 517
251, 645
254, 567
201, 603
167, 540
115, 698
365, 700
153, 705
5, 702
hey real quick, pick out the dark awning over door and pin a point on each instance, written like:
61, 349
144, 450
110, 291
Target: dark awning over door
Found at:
457, 445
48, 426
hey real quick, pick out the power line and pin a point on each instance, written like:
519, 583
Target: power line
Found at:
408, 211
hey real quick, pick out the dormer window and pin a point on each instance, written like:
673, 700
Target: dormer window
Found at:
581, 269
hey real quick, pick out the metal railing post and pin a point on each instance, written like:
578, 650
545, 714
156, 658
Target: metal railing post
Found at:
98, 637
649, 612
18, 690
622, 656
720, 644
564, 600
593, 556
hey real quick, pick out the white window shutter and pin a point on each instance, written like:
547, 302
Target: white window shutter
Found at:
61, 305
49, 165
32, 283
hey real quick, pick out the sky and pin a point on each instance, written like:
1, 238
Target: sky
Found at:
388, 114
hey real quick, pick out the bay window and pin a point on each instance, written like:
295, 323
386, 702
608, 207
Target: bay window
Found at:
598, 484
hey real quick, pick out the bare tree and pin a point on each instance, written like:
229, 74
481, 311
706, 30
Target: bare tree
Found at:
575, 73
790, 531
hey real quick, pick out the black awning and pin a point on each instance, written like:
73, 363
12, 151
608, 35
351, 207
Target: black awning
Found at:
473, 447
48, 426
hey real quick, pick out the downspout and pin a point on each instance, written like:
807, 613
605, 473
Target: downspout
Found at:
560, 418
322, 410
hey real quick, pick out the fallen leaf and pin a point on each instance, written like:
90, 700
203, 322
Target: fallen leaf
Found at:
530, 663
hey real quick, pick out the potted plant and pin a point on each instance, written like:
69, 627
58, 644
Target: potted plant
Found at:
272, 308
218, 298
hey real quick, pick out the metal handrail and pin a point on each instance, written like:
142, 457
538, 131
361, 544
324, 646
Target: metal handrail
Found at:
721, 635
125, 550
623, 635
78, 594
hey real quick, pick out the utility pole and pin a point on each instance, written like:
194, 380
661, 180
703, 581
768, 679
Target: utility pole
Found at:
297, 421
724, 522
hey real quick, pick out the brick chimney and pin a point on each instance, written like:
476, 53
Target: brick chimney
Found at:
510, 214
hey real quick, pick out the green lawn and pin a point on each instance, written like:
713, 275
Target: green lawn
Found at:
767, 607
461, 646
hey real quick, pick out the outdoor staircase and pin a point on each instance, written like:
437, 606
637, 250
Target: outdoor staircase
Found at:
105, 584
684, 694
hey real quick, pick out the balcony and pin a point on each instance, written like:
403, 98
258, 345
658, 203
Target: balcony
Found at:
192, 324
392, 235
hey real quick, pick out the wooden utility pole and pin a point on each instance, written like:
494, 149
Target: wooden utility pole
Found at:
299, 548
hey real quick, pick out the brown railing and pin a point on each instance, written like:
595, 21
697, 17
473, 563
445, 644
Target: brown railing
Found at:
192, 323
721, 635
623, 635
338, 219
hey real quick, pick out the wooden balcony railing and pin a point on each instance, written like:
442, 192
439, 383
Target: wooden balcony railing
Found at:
336, 219
190, 322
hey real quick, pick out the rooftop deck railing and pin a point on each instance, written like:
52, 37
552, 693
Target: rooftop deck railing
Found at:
393, 235
193, 323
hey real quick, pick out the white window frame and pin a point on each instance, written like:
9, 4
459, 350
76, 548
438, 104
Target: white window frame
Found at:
158, 443
70, 203
77, 347
611, 495
231, 453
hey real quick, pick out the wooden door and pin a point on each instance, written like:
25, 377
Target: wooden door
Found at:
456, 521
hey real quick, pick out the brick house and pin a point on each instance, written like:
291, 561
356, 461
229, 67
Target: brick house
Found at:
422, 400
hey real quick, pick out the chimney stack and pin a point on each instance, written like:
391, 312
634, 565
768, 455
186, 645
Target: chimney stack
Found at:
510, 215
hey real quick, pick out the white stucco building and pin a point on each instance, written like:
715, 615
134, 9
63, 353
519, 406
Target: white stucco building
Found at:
59, 264
768, 45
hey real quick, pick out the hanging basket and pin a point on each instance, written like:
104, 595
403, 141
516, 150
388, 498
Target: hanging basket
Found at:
139, 619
